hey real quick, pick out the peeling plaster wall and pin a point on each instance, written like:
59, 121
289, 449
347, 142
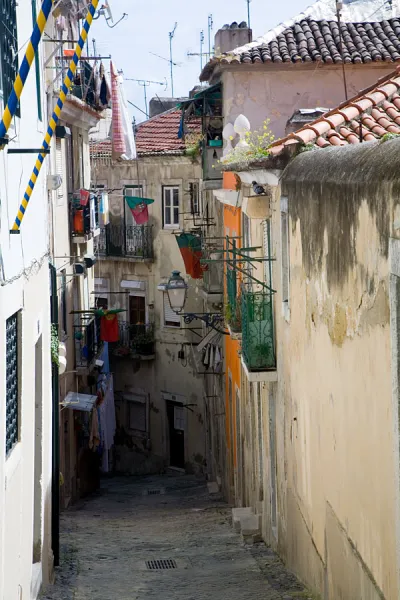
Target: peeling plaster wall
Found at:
164, 373
276, 93
336, 432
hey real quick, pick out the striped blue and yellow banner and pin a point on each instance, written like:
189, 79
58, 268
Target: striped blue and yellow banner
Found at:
10, 109
56, 114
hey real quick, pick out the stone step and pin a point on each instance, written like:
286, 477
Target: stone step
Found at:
238, 514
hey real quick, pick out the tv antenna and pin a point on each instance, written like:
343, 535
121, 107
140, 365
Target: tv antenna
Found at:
201, 53
210, 28
105, 11
248, 13
171, 37
167, 59
145, 84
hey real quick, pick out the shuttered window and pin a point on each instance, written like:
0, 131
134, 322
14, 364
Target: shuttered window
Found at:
171, 207
9, 47
59, 165
285, 251
137, 408
267, 250
12, 382
171, 319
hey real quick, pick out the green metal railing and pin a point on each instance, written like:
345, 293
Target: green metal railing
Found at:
258, 348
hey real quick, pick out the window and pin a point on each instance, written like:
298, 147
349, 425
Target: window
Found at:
267, 252
37, 66
59, 167
131, 190
137, 409
285, 255
64, 308
9, 47
171, 207
137, 310
171, 319
12, 382
194, 199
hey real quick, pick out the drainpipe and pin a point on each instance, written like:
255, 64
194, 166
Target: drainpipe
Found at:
55, 467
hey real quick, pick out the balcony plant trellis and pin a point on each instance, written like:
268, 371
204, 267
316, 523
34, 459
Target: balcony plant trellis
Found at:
249, 307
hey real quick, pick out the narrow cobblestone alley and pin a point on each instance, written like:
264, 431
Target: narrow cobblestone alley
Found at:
108, 539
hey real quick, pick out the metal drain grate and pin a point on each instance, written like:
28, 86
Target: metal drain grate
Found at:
153, 492
160, 564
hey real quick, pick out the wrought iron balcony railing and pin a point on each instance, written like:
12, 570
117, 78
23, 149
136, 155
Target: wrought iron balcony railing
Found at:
258, 346
135, 339
134, 241
87, 340
83, 84
233, 307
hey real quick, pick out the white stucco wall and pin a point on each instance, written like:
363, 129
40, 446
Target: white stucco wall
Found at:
25, 253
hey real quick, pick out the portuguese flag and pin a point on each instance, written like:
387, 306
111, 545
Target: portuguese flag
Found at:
190, 247
139, 208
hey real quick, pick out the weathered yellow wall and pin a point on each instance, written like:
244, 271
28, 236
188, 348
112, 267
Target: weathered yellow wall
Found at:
335, 425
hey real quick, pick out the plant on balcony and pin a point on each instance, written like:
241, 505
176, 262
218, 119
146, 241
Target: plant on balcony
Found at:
233, 315
256, 148
54, 345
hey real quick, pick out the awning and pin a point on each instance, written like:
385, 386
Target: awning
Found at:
76, 401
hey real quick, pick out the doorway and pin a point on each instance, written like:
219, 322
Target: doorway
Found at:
137, 310
38, 428
176, 426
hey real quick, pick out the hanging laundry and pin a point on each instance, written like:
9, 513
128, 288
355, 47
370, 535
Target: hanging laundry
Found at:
105, 93
118, 139
94, 440
190, 247
130, 152
139, 208
104, 209
84, 196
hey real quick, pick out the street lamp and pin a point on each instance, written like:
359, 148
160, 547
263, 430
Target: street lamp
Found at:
177, 292
177, 288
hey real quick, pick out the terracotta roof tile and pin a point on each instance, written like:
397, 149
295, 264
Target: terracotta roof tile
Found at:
156, 136
371, 114
310, 40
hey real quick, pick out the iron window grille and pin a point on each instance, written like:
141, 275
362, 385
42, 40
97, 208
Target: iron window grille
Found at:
12, 383
9, 47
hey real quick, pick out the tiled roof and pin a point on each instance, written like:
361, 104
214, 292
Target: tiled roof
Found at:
159, 135
368, 116
156, 136
370, 32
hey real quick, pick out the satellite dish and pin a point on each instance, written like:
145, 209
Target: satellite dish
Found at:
107, 8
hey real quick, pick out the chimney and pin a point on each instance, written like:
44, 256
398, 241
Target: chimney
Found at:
232, 36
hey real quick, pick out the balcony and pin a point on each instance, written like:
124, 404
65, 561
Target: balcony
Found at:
84, 220
87, 342
83, 84
258, 344
132, 241
135, 340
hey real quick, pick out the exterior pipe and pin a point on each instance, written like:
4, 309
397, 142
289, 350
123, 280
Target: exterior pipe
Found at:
11, 108
55, 462
56, 114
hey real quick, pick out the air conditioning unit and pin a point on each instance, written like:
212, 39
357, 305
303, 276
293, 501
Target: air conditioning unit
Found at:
79, 269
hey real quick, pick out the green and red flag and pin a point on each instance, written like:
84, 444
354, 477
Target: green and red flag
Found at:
139, 208
190, 247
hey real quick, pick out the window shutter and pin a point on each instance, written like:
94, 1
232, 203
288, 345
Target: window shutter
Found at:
59, 166
266, 252
137, 416
171, 319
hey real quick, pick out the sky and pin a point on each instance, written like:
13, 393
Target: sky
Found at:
146, 30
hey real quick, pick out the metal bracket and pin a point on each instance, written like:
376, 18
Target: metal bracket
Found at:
210, 319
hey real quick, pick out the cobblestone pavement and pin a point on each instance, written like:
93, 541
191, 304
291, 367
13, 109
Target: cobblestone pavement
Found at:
107, 539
